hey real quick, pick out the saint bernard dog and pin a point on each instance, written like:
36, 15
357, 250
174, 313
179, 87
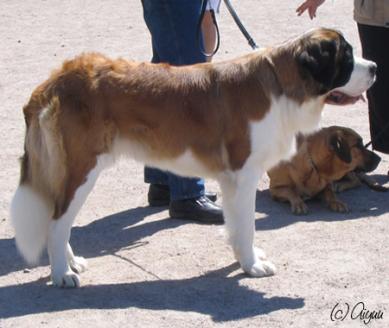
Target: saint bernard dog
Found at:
230, 121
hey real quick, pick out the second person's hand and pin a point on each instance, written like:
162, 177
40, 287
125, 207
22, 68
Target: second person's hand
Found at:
311, 5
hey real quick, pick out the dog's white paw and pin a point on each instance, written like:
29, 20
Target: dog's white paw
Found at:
260, 269
68, 280
260, 253
78, 264
254, 263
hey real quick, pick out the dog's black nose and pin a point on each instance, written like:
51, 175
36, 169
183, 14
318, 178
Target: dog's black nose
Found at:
372, 162
373, 69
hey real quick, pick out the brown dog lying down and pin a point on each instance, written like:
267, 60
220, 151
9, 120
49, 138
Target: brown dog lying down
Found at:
332, 159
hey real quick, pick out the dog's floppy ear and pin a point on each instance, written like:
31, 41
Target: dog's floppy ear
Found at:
318, 60
340, 147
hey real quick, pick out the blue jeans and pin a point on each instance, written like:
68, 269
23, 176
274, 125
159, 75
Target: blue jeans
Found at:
173, 25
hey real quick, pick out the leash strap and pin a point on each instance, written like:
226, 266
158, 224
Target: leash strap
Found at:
236, 19
378, 135
213, 15
238, 22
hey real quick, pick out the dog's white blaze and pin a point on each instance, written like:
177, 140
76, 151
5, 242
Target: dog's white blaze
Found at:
360, 80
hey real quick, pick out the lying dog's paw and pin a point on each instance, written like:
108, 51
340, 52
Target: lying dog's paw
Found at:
338, 206
377, 187
260, 269
68, 280
78, 264
299, 208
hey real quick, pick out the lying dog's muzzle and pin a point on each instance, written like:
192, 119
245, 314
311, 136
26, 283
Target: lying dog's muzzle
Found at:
371, 163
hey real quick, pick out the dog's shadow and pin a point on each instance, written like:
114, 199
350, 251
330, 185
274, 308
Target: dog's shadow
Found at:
362, 202
214, 294
120, 230
105, 235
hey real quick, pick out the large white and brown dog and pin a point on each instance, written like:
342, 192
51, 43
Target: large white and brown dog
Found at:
230, 121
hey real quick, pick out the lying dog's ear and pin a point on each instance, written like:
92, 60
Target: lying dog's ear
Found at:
318, 60
340, 147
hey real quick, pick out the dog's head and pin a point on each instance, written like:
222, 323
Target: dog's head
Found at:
347, 150
324, 56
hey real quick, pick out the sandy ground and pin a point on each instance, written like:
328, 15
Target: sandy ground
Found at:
146, 270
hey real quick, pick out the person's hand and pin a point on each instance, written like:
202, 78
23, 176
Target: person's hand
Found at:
311, 5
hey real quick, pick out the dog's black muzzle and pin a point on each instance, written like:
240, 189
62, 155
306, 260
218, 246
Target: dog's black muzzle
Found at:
371, 161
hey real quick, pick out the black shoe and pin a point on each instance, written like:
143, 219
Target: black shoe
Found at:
159, 195
199, 209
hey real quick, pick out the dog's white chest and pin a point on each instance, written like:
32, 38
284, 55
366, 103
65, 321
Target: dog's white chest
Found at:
273, 138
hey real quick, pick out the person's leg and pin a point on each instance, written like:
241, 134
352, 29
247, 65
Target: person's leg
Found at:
173, 41
375, 47
159, 191
185, 188
155, 176
173, 28
160, 182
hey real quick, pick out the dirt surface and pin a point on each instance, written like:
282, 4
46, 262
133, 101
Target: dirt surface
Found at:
146, 270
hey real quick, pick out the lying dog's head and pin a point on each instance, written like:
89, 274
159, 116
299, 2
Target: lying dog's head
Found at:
325, 57
342, 151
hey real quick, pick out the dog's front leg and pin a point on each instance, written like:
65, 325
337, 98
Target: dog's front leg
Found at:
238, 191
328, 195
290, 194
349, 181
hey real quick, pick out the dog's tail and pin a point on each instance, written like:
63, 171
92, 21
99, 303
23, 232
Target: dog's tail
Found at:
30, 215
42, 176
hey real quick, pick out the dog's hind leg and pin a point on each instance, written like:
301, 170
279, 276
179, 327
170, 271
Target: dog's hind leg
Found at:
64, 265
238, 192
